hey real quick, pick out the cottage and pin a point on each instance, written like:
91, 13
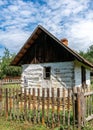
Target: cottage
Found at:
49, 62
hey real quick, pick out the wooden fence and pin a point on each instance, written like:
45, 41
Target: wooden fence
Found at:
10, 80
69, 108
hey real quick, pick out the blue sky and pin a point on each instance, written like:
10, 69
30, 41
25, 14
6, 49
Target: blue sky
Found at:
72, 19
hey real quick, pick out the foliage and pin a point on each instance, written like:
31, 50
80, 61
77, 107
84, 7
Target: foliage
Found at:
88, 55
5, 68
10, 85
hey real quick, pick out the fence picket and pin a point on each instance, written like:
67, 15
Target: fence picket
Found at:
25, 104
43, 105
63, 104
68, 107
6, 106
38, 107
50, 108
58, 106
34, 106
47, 106
0, 101
53, 119
78, 109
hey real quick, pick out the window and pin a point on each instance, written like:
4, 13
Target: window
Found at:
47, 72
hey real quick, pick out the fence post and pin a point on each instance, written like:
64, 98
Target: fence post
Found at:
6, 103
80, 108
0, 100
43, 105
58, 106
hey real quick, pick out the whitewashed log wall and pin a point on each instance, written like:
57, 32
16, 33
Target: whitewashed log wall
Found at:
62, 75
78, 82
88, 77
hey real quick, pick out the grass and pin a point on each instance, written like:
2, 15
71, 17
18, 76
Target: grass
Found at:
10, 85
88, 126
17, 125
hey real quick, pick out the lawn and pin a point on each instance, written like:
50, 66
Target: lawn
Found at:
17, 125
10, 85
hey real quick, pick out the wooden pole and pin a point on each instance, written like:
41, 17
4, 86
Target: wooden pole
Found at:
0, 100
48, 106
43, 105
78, 109
58, 105
6, 90
53, 119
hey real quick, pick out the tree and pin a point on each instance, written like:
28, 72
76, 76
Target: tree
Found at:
88, 55
5, 68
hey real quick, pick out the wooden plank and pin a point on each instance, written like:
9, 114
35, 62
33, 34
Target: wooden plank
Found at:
34, 106
38, 107
91, 105
25, 104
10, 101
43, 105
6, 93
29, 98
68, 108
88, 93
58, 106
73, 106
63, 106
88, 105
13, 114
21, 100
78, 108
0, 100
29, 103
17, 104
83, 108
53, 104
48, 106
89, 118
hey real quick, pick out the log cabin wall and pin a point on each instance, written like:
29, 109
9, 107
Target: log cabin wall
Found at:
61, 75
78, 74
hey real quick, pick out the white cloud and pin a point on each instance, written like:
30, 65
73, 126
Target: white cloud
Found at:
13, 40
81, 34
70, 18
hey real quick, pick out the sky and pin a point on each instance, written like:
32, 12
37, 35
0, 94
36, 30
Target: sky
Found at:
71, 19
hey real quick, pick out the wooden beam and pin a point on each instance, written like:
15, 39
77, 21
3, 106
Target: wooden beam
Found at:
88, 93
89, 118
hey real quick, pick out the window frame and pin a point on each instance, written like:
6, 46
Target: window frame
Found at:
47, 72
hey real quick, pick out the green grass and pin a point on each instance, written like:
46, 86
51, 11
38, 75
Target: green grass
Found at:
11, 86
17, 125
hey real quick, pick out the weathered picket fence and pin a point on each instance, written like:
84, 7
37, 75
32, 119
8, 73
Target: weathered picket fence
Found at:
69, 108
10, 80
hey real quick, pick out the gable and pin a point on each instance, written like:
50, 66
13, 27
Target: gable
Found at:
43, 47
45, 50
